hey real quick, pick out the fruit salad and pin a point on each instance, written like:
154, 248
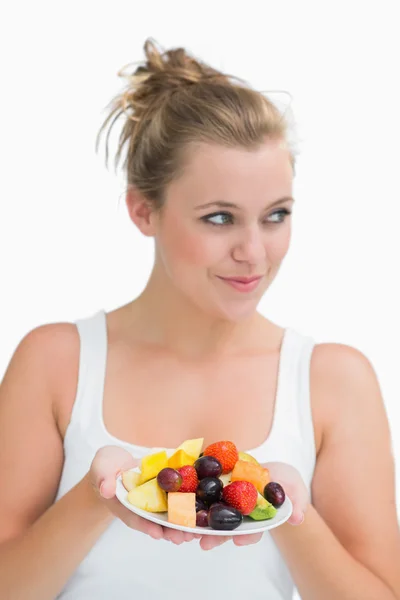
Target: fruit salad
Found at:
218, 487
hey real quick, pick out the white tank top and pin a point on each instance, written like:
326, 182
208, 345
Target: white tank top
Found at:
126, 564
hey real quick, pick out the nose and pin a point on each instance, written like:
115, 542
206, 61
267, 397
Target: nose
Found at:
251, 246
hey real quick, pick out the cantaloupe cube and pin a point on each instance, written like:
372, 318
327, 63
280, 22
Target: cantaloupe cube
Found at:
255, 474
182, 508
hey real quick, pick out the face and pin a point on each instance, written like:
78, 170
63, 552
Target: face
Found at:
225, 220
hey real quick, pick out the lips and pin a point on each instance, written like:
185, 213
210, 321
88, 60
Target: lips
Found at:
242, 284
243, 279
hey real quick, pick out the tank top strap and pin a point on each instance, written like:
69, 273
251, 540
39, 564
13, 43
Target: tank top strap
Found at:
88, 405
293, 420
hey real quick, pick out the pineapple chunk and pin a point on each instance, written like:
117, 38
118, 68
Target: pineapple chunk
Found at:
179, 459
226, 478
151, 465
192, 447
248, 457
130, 479
149, 496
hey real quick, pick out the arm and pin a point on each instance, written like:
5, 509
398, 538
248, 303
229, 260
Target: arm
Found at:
32, 535
38, 562
348, 547
35, 532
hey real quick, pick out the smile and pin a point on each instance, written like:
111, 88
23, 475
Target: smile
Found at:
242, 284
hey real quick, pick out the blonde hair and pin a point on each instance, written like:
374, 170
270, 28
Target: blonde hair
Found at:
173, 101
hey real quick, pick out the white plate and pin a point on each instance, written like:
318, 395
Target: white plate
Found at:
247, 526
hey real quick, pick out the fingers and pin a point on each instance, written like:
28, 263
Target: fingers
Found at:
179, 537
191, 536
174, 536
107, 464
294, 487
208, 542
246, 540
297, 517
134, 521
148, 527
107, 488
152, 529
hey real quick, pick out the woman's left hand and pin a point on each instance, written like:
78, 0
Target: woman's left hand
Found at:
292, 482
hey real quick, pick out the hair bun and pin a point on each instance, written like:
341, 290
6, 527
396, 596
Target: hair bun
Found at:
176, 65
162, 72
174, 99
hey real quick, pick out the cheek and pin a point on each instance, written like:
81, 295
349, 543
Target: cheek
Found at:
191, 248
278, 245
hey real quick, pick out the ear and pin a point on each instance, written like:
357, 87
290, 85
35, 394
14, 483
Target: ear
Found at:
141, 211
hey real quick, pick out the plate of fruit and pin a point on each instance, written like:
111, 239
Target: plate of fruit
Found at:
211, 492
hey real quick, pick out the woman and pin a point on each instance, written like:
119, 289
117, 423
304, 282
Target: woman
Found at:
210, 174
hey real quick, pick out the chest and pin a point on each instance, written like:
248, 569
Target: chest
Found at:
157, 400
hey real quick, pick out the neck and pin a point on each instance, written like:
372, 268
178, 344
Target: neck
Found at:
168, 318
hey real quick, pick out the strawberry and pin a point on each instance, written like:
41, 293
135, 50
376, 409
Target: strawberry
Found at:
190, 481
242, 495
225, 452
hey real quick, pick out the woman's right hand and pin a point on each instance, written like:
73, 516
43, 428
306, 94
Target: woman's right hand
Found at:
108, 463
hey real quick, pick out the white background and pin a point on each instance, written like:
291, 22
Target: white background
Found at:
67, 247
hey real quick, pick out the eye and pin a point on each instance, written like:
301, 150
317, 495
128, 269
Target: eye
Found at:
221, 218
279, 215
225, 218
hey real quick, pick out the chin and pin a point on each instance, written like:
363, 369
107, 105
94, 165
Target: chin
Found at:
236, 313
225, 310
240, 316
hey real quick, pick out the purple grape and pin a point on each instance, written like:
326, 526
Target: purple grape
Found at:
169, 480
200, 505
208, 466
202, 518
274, 493
209, 490
224, 517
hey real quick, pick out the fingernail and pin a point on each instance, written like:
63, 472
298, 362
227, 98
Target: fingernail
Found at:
101, 488
302, 519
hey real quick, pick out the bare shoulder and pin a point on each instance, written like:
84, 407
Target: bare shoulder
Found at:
56, 347
60, 344
50, 350
339, 377
333, 359
43, 340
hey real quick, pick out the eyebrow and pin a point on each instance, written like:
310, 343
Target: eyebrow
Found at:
223, 204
